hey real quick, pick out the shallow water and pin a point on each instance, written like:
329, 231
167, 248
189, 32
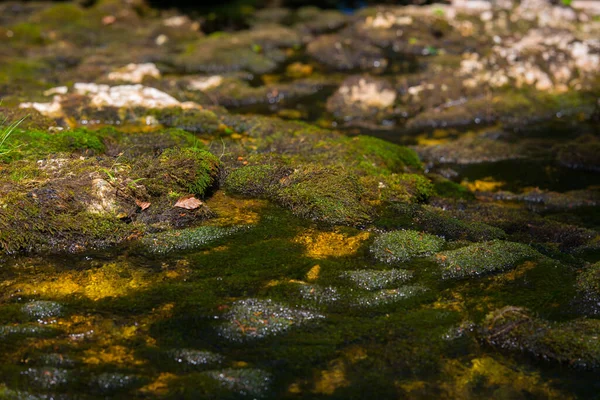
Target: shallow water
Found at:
122, 324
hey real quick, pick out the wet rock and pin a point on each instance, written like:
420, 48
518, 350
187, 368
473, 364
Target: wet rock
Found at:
373, 280
386, 296
47, 377
256, 319
316, 21
243, 382
483, 258
542, 200
589, 279
42, 310
104, 197
346, 53
135, 73
184, 239
574, 343
582, 154
258, 50
56, 360
195, 358
362, 97
319, 294
436, 221
113, 382
401, 246
24, 331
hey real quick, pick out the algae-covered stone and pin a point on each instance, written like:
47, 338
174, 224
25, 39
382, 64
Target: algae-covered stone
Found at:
386, 296
589, 280
48, 377
195, 358
320, 294
575, 343
373, 280
257, 319
255, 180
41, 309
193, 170
184, 239
113, 382
482, 258
328, 195
243, 382
401, 246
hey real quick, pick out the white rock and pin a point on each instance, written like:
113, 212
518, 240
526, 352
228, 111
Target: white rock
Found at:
134, 73
205, 83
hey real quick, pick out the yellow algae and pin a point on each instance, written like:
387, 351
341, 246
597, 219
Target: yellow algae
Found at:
117, 354
160, 386
235, 211
294, 388
240, 364
456, 302
510, 276
332, 378
501, 380
110, 280
412, 386
330, 244
313, 273
484, 185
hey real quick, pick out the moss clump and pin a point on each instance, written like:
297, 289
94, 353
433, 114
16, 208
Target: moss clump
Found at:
33, 144
401, 246
405, 188
369, 155
328, 195
373, 280
589, 279
254, 180
187, 170
191, 120
184, 239
574, 343
482, 258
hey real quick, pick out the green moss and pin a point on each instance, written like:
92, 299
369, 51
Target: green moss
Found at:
371, 155
328, 195
191, 120
401, 246
27, 33
589, 279
24, 71
448, 189
254, 180
483, 258
35, 144
60, 15
183, 239
574, 343
189, 170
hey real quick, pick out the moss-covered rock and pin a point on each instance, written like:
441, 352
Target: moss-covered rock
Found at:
183, 239
574, 343
374, 279
481, 258
401, 246
589, 279
328, 195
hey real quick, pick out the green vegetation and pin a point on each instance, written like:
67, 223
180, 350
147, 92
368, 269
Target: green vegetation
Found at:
401, 246
482, 258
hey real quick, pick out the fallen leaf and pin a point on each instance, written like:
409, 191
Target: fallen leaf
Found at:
142, 204
188, 202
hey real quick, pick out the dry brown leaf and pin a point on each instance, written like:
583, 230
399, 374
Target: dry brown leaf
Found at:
142, 204
188, 202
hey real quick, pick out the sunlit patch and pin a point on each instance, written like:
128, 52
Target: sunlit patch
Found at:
334, 377
330, 244
313, 273
235, 211
484, 185
110, 280
160, 386
119, 355
485, 375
